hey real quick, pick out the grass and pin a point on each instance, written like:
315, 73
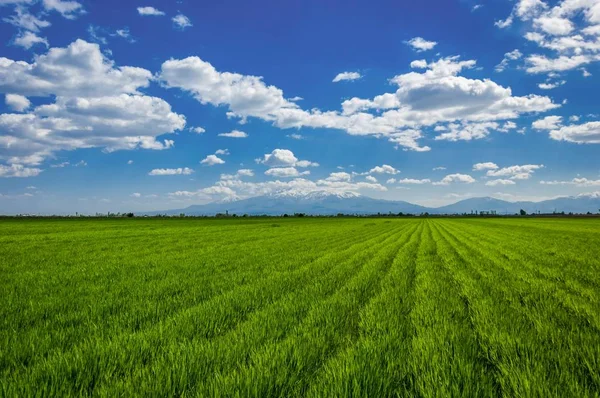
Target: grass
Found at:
300, 307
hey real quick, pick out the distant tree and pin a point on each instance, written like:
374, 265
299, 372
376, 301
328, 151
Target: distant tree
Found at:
285, 215
523, 212
130, 215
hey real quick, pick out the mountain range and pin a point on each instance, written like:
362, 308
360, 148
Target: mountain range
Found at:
327, 203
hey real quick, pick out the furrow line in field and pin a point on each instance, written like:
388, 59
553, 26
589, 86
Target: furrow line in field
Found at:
585, 267
446, 253
376, 364
444, 348
251, 276
580, 304
208, 360
285, 368
525, 337
200, 321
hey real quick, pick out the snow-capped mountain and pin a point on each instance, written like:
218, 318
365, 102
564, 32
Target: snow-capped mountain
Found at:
331, 203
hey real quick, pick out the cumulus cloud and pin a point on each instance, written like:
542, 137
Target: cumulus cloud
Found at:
346, 76
421, 100
18, 170
239, 189
493, 183
419, 44
16, 102
94, 104
29, 39
212, 160
547, 123
414, 181
234, 134
339, 176
371, 179
222, 152
485, 166
149, 11
570, 29
181, 21
519, 172
455, 178
285, 172
67, 8
508, 57
239, 174
197, 130
171, 172
284, 158
579, 182
24, 20
586, 133
383, 169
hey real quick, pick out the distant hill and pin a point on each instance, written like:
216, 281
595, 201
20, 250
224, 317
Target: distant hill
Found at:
327, 203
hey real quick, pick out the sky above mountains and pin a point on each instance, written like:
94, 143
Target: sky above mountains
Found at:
144, 105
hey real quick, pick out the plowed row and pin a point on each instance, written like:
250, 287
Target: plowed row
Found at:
300, 307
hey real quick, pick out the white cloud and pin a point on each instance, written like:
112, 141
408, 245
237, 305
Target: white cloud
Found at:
586, 133
522, 172
212, 160
67, 8
136, 195
339, 176
285, 172
551, 85
468, 131
95, 104
383, 169
79, 70
509, 56
421, 100
279, 158
346, 76
197, 130
456, 178
18, 170
239, 174
413, 181
439, 168
29, 39
493, 183
284, 158
222, 152
24, 20
234, 134
485, 166
130, 162
547, 123
236, 188
371, 179
181, 21
296, 136
171, 172
579, 182
419, 44
16, 102
149, 11
418, 64
554, 25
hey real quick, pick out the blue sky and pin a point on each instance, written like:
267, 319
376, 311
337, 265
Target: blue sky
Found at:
144, 105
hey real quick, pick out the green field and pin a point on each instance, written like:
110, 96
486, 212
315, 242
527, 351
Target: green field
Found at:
300, 307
